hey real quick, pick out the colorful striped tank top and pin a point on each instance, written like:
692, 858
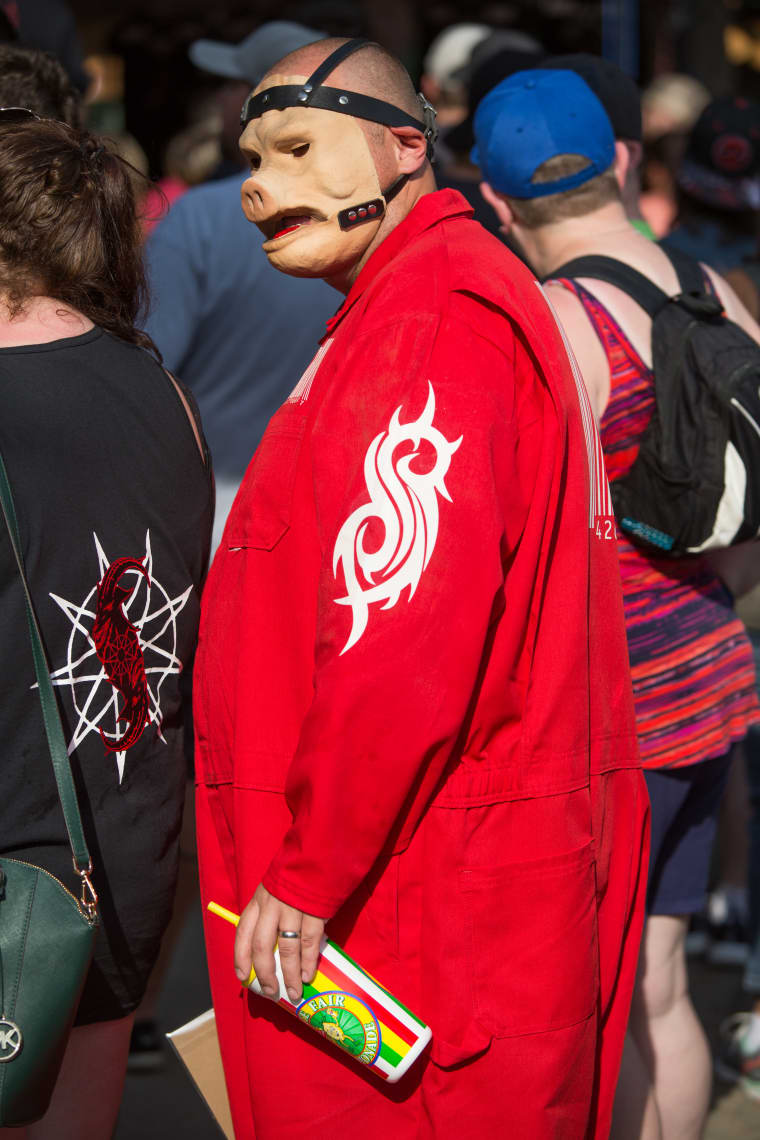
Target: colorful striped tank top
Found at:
691, 660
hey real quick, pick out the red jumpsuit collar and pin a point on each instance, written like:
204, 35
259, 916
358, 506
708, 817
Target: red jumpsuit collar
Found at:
427, 212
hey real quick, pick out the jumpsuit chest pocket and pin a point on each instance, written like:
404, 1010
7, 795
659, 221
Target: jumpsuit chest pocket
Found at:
262, 510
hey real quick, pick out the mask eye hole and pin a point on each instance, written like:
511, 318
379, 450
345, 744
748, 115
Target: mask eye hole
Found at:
255, 160
300, 151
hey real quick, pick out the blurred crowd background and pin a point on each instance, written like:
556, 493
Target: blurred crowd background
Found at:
176, 121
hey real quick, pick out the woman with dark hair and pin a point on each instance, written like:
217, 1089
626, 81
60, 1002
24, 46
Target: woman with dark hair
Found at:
114, 495
35, 79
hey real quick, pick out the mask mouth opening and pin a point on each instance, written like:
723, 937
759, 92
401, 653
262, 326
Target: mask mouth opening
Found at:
288, 222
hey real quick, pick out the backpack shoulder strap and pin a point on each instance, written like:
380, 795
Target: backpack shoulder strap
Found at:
691, 276
617, 273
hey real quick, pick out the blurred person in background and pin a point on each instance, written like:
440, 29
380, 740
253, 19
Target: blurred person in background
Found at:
493, 59
211, 285
719, 185
739, 1057
670, 106
444, 78
9, 20
231, 63
192, 157
444, 71
113, 492
50, 25
550, 164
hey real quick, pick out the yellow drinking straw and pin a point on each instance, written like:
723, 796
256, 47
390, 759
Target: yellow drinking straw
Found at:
228, 915
234, 919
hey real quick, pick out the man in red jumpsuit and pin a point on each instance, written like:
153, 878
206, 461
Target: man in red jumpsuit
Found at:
414, 718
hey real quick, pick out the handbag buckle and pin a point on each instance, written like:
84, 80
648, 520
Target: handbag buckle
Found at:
89, 899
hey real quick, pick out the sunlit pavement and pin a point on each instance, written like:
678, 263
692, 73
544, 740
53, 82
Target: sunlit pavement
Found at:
165, 1104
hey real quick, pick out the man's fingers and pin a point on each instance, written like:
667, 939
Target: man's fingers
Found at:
264, 941
244, 940
267, 922
311, 936
289, 922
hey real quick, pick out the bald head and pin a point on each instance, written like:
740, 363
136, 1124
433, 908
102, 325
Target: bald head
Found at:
369, 71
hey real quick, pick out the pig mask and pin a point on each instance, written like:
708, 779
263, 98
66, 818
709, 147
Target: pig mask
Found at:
313, 190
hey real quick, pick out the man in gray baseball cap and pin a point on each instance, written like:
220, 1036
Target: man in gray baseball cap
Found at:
252, 57
243, 65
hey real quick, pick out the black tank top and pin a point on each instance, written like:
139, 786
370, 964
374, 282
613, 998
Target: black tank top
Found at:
115, 506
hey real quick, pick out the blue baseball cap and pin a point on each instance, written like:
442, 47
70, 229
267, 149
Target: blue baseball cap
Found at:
533, 116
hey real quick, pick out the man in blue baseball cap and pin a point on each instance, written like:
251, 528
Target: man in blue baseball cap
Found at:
553, 173
532, 117
620, 96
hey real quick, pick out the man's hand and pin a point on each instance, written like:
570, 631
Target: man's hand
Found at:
256, 939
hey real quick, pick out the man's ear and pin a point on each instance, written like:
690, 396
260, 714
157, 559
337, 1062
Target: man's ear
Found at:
500, 206
635, 153
411, 148
622, 162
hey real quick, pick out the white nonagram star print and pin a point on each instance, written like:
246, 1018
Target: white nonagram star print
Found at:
154, 615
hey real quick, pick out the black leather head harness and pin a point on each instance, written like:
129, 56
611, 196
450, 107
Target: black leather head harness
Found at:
313, 94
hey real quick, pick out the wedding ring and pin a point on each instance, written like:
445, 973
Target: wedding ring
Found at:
289, 933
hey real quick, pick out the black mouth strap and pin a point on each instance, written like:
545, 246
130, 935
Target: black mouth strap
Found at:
313, 94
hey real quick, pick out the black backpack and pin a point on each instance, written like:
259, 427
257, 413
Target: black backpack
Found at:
695, 484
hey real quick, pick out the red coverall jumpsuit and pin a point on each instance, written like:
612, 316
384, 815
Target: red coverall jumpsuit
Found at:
414, 714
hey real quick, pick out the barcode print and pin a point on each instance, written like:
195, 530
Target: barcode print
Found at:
300, 393
601, 500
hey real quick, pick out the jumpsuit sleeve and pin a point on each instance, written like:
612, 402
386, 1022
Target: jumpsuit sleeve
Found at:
411, 453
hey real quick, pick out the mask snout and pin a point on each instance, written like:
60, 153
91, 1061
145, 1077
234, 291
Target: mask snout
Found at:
259, 201
273, 209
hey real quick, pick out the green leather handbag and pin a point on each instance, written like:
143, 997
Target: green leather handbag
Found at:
46, 934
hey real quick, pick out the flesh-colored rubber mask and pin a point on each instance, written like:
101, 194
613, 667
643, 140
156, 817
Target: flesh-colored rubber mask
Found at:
307, 164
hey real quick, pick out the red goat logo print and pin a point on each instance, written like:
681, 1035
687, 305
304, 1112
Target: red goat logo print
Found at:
118, 647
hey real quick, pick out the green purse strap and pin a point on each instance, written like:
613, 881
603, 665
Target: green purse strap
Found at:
50, 715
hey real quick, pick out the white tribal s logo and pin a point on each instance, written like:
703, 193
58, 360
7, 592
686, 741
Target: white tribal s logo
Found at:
406, 503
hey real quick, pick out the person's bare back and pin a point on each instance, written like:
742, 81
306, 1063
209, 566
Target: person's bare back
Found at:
607, 232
